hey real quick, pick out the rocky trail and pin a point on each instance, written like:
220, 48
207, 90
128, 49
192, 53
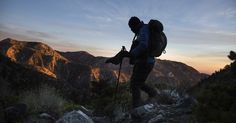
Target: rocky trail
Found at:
179, 111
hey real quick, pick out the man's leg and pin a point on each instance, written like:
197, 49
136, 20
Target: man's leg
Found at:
145, 72
135, 88
140, 74
151, 91
135, 84
136, 96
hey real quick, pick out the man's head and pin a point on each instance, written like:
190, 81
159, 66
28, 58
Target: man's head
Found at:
134, 24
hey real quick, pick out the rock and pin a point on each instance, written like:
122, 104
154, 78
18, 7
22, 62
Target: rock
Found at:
156, 119
42, 118
178, 111
119, 116
86, 111
15, 112
186, 102
47, 116
75, 117
101, 119
143, 110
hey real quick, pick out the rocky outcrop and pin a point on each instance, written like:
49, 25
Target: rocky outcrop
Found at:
180, 110
75, 117
156, 112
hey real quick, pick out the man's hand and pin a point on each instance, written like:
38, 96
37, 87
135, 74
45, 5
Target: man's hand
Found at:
125, 54
118, 57
113, 60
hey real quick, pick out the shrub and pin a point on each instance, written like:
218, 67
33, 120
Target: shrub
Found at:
70, 106
216, 103
44, 99
7, 96
103, 97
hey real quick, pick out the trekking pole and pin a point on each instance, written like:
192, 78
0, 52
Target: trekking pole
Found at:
118, 78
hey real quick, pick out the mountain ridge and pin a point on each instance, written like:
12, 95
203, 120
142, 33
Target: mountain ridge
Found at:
82, 67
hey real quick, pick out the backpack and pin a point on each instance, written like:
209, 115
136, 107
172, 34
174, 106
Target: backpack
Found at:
157, 39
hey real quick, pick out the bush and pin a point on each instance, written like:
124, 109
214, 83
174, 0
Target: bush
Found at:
7, 96
70, 106
103, 98
216, 103
45, 99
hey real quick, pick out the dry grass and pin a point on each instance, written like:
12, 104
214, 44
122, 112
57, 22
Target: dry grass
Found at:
45, 99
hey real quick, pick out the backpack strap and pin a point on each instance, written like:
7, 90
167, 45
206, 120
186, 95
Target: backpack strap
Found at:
134, 37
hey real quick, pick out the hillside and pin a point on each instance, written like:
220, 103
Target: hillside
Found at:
16, 78
216, 96
44, 59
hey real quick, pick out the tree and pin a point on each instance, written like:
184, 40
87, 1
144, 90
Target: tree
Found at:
232, 55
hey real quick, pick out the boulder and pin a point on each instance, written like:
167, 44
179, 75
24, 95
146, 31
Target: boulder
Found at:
75, 117
40, 118
15, 112
142, 110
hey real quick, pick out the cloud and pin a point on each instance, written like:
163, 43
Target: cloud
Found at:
59, 45
229, 13
39, 34
19, 31
4, 35
192, 36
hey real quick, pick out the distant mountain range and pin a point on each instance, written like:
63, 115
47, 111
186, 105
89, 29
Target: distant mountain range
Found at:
78, 69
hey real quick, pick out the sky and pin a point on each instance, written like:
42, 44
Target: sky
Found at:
200, 32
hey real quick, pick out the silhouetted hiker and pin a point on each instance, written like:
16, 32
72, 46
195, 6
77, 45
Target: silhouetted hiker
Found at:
143, 63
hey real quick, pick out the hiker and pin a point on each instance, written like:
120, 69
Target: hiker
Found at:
143, 63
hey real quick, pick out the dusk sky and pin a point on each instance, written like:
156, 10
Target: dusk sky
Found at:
200, 32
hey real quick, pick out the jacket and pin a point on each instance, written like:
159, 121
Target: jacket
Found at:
142, 45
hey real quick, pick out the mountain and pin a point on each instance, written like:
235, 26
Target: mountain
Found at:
37, 54
16, 78
79, 68
44, 59
165, 72
20, 77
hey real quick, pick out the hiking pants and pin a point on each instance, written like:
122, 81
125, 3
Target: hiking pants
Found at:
141, 71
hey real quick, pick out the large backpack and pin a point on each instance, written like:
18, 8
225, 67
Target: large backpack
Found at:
157, 39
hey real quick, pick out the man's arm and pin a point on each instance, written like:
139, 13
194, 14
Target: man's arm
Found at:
143, 38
